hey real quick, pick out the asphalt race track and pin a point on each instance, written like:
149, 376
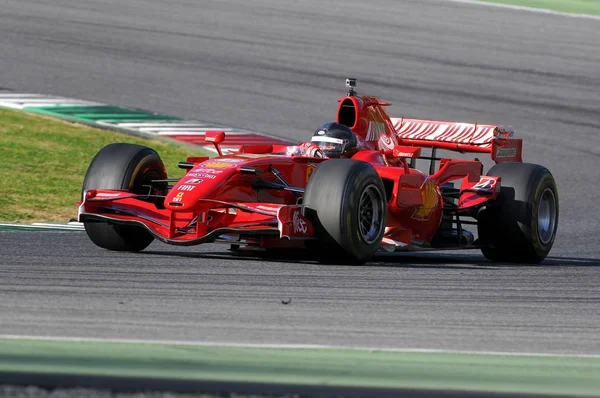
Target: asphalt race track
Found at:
59, 284
278, 67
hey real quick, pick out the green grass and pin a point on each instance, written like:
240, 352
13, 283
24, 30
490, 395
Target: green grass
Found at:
590, 7
333, 367
43, 162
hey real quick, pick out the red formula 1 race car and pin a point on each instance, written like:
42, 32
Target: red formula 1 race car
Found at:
353, 190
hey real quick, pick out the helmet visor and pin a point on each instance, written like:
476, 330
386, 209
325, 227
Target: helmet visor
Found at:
331, 147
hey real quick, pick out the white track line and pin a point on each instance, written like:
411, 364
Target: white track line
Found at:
291, 346
49, 100
11, 95
71, 225
188, 128
57, 105
200, 133
186, 123
11, 105
45, 226
529, 9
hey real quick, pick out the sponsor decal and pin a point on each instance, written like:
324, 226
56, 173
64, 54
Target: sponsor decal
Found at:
503, 132
231, 160
217, 165
298, 223
186, 188
485, 184
195, 180
506, 152
201, 170
203, 175
430, 201
109, 195
177, 197
321, 132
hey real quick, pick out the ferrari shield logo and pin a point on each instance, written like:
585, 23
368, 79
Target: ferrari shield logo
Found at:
217, 165
430, 201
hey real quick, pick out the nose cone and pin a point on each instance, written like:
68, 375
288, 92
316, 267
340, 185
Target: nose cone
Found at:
185, 194
199, 182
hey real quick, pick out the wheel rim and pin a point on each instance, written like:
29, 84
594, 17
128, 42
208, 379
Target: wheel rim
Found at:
546, 217
370, 214
143, 180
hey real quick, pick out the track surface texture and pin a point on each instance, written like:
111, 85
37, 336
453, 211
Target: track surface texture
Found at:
278, 67
60, 284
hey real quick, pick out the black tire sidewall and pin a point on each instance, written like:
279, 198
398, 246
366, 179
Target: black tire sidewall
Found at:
546, 182
122, 166
331, 202
510, 223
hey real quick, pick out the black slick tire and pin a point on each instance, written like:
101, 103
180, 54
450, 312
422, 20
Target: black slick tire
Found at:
122, 166
520, 225
345, 201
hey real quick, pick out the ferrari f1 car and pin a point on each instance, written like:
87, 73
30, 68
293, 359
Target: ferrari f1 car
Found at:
343, 209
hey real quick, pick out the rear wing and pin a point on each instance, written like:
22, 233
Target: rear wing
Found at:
462, 137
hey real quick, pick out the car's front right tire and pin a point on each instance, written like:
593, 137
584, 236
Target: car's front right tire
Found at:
122, 166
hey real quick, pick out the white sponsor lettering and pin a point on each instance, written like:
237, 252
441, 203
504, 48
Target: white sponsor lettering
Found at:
230, 160
186, 188
506, 152
203, 175
203, 170
108, 195
299, 223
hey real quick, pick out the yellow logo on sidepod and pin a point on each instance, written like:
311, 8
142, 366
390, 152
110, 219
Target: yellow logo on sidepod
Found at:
430, 201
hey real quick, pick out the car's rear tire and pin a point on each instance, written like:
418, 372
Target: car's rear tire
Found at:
346, 202
520, 225
122, 166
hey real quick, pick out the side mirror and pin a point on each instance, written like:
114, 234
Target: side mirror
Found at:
216, 137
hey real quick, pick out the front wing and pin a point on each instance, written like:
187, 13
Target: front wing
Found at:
210, 220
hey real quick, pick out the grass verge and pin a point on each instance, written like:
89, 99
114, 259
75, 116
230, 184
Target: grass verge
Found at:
589, 7
43, 162
316, 367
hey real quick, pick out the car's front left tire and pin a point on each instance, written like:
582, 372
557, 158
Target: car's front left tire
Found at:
346, 202
520, 225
